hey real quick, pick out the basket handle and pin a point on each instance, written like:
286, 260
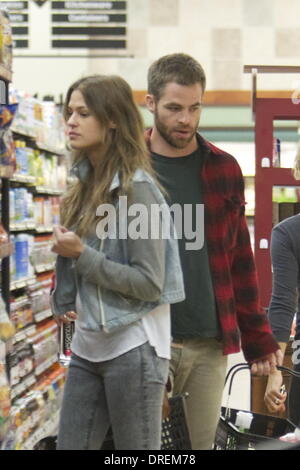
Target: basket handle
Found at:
292, 372
246, 365
243, 366
240, 364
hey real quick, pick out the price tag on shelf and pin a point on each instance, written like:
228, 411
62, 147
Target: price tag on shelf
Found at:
47, 429
40, 268
18, 284
20, 336
45, 365
30, 381
42, 315
30, 226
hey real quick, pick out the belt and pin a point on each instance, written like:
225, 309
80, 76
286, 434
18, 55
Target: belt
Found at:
177, 343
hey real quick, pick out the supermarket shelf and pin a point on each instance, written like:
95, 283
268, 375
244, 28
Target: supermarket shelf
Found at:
24, 385
39, 189
20, 283
42, 315
45, 365
30, 226
42, 268
6, 171
44, 229
49, 191
22, 227
47, 429
25, 179
49, 149
39, 145
22, 132
6, 249
24, 333
5, 73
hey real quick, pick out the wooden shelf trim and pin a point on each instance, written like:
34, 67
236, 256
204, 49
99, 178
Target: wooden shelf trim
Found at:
225, 97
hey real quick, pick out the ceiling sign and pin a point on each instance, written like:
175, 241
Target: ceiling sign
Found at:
40, 3
89, 25
18, 15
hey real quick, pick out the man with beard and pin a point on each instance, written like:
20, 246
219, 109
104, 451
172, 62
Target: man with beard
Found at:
221, 310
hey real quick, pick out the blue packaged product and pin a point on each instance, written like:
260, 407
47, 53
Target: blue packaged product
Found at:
24, 202
22, 256
18, 205
12, 260
25, 160
12, 215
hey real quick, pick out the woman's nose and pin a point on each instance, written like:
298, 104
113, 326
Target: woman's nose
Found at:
72, 120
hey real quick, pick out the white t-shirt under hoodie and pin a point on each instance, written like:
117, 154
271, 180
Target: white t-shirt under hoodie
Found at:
99, 346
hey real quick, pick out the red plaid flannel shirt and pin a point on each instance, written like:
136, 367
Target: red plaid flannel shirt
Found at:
243, 321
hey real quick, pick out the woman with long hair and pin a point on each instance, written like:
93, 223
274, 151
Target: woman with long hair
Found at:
116, 273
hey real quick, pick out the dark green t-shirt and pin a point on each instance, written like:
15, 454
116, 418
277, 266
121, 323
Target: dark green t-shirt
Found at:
196, 316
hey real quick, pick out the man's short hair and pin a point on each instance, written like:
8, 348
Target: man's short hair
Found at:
179, 68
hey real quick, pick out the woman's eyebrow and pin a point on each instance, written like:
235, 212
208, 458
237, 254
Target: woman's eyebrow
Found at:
77, 107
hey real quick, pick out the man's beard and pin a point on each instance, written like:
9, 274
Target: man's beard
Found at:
173, 141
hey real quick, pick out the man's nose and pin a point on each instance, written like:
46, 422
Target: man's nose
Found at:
184, 117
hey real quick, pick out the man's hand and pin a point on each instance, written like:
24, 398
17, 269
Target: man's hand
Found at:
66, 243
267, 365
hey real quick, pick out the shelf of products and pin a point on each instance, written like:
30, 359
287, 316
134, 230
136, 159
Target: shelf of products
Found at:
35, 415
33, 177
270, 177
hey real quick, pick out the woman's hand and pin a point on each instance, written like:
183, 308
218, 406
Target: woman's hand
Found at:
66, 318
66, 243
274, 400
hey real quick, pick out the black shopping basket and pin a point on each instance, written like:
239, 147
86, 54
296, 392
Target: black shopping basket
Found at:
174, 435
175, 432
264, 430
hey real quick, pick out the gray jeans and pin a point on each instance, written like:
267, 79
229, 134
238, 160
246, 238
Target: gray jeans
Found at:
125, 393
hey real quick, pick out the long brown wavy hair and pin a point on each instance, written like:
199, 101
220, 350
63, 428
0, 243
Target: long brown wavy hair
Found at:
109, 99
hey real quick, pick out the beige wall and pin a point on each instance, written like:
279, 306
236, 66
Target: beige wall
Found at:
222, 34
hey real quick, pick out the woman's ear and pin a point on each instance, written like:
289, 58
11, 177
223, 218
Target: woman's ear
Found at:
112, 125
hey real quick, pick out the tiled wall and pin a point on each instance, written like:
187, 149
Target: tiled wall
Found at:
223, 35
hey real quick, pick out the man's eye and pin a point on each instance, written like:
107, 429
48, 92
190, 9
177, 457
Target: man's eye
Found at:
173, 108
